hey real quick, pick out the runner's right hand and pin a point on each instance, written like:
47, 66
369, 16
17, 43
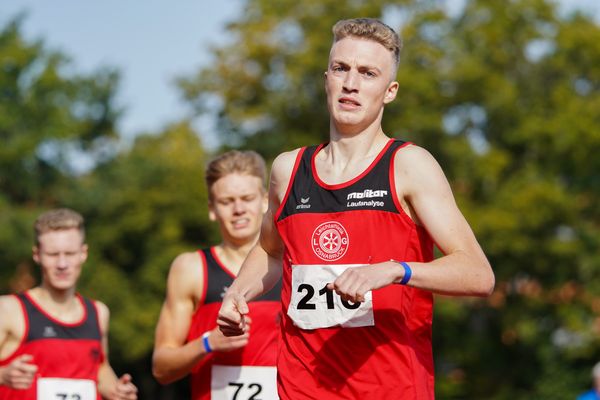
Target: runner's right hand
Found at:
220, 342
233, 317
19, 373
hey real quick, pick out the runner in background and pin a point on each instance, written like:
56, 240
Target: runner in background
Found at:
187, 339
53, 341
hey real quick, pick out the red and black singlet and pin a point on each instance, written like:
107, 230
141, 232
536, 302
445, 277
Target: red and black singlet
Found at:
265, 312
332, 349
68, 353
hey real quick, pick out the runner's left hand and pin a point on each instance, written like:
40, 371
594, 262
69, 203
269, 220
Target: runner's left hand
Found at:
355, 282
125, 389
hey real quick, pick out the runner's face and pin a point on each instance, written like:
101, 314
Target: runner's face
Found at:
358, 83
60, 255
238, 204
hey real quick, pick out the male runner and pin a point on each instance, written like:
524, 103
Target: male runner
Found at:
53, 341
351, 225
187, 338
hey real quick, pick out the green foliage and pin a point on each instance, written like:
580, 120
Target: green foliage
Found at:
47, 115
268, 83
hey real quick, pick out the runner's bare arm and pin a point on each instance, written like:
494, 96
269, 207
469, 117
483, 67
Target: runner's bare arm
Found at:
109, 385
173, 358
427, 198
263, 265
464, 269
19, 374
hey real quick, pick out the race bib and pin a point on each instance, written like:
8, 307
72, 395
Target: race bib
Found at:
66, 389
243, 383
313, 306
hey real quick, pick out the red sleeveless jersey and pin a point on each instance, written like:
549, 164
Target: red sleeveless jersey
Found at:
60, 350
265, 313
357, 222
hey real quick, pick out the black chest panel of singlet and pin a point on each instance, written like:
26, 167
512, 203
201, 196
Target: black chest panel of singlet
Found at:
371, 192
42, 327
219, 280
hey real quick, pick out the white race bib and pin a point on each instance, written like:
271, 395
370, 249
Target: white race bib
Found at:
66, 389
243, 383
313, 306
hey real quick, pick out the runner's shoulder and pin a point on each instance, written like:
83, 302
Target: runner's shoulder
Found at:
9, 303
283, 166
187, 264
186, 274
10, 310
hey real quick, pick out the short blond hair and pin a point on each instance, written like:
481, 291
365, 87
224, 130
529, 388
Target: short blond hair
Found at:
58, 220
371, 29
246, 162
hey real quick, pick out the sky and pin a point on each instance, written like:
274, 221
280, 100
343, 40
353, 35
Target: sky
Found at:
150, 42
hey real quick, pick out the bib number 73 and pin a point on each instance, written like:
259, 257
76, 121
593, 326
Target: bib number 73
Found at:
66, 389
313, 306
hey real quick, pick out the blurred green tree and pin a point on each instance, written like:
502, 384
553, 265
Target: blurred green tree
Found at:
49, 117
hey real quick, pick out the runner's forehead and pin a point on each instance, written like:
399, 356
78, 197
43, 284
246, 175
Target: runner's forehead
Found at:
361, 52
236, 185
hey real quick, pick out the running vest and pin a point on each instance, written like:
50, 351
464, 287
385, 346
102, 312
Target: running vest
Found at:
260, 353
332, 348
68, 356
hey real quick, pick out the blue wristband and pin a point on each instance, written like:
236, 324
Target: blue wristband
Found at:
407, 273
205, 342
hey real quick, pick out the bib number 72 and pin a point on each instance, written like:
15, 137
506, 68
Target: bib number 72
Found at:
243, 383
254, 388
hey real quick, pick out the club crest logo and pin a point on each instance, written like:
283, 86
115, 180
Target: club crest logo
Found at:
330, 241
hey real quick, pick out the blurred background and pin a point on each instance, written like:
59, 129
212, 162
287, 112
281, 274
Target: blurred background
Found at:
113, 108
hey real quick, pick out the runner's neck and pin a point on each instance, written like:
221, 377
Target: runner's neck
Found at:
345, 159
61, 305
233, 256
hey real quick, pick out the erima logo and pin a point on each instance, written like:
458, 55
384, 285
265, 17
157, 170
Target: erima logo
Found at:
49, 332
367, 194
303, 204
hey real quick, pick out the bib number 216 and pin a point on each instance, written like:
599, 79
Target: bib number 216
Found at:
304, 304
313, 306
